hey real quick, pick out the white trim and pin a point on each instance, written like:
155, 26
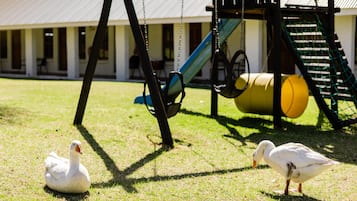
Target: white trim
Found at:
72, 53
30, 51
345, 28
181, 47
347, 11
254, 47
122, 52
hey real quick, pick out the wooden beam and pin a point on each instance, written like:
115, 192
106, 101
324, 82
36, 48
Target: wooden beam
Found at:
154, 88
92, 62
276, 13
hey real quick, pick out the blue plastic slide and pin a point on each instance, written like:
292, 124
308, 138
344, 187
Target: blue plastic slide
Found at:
197, 60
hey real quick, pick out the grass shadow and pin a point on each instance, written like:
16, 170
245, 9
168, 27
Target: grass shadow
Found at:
67, 196
191, 175
224, 121
120, 177
12, 115
302, 197
337, 144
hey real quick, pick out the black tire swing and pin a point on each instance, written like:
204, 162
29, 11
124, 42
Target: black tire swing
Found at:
232, 69
228, 89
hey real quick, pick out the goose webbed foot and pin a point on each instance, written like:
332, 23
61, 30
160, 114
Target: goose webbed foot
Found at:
290, 166
286, 191
300, 188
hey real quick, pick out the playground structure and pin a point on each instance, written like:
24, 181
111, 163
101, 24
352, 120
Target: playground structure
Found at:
307, 31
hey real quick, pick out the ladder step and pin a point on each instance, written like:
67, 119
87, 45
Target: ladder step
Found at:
318, 65
314, 57
318, 72
311, 47
302, 25
313, 53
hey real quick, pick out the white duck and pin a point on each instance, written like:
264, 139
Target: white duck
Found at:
67, 176
294, 161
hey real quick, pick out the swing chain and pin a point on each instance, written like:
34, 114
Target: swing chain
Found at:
216, 28
242, 37
179, 48
229, 89
145, 27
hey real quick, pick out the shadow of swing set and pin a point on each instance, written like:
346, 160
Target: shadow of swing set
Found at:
163, 105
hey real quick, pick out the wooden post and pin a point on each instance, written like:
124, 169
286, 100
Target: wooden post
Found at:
331, 38
92, 62
148, 71
277, 65
214, 73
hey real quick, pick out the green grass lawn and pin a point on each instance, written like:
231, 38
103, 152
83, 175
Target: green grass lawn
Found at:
211, 160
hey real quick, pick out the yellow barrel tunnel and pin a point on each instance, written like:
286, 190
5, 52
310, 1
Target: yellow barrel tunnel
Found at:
258, 97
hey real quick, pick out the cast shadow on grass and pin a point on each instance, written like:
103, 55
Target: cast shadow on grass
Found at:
12, 115
302, 197
120, 177
336, 144
67, 196
224, 121
231, 124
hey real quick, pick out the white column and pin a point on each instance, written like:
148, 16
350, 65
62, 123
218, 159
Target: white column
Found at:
254, 44
181, 44
72, 53
30, 53
345, 28
122, 52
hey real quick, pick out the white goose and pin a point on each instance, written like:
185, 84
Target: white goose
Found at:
294, 161
67, 176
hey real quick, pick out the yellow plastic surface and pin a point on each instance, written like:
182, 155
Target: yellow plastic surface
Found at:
258, 97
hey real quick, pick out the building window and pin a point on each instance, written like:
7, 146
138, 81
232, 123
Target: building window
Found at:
16, 56
168, 41
48, 43
195, 35
62, 49
3, 44
195, 39
82, 42
103, 51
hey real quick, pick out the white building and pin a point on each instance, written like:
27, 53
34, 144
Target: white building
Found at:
61, 31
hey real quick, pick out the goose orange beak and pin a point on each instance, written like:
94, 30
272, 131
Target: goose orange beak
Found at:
78, 149
254, 163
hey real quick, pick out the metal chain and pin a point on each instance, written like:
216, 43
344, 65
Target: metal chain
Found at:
182, 6
242, 36
178, 58
217, 43
145, 27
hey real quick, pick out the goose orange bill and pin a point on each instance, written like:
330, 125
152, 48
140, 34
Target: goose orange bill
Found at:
78, 149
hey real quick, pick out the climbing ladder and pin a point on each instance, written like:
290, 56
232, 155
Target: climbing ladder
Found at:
324, 66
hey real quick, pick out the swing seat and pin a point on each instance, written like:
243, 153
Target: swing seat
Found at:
227, 90
171, 107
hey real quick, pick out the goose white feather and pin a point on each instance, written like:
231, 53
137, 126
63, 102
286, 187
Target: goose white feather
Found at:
294, 161
67, 175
